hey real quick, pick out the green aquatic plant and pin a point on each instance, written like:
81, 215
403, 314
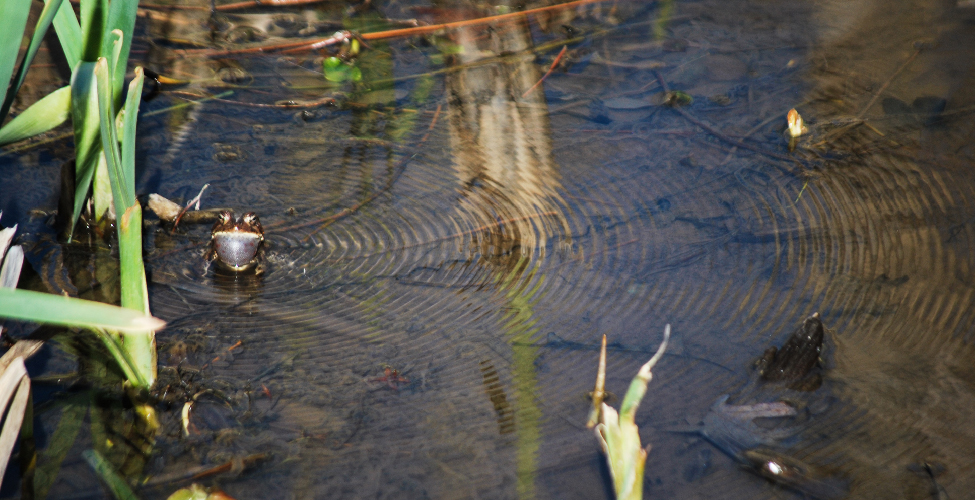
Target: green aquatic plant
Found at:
336, 70
109, 476
618, 434
104, 30
104, 319
12, 25
96, 48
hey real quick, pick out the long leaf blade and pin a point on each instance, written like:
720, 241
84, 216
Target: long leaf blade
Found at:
140, 347
84, 117
12, 24
40, 117
129, 118
121, 16
94, 16
26, 305
43, 23
69, 33
109, 135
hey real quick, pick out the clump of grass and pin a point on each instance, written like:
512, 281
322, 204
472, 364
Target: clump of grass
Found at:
97, 49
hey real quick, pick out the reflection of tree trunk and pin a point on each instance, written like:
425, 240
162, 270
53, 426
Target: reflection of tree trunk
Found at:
503, 159
502, 146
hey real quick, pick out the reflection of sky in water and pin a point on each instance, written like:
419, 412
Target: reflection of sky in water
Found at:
488, 264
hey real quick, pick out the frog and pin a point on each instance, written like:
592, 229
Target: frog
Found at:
793, 364
237, 244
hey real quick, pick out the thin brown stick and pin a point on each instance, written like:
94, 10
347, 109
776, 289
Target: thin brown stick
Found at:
887, 84
204, 471
422, 30
388, 34
549, 72
600, 391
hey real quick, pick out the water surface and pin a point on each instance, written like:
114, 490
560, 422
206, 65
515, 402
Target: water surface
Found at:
440, 222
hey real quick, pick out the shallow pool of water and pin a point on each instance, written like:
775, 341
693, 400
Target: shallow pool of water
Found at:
447, 245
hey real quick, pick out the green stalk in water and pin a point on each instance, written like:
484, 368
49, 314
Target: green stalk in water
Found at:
618, 433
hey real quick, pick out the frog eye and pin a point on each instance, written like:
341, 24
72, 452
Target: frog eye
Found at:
250, 218
226, 217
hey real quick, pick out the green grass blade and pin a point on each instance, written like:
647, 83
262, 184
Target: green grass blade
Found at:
140, 347
112, 49
84, 117
43, 23
109, 134
12, 24
120, 489
101, 192
121, 16
94, 17
132, 270
69, 33
129, 118
40, 117
114, 344
26, 305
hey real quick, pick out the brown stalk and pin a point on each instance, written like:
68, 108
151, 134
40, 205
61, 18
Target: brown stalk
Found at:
549, 72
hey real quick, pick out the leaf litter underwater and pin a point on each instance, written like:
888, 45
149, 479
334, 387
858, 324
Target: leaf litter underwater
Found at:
443, 253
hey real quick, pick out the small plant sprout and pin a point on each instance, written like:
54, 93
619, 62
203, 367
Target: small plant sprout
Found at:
618, 433
796, 126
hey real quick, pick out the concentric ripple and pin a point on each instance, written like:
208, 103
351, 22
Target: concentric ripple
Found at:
446, 294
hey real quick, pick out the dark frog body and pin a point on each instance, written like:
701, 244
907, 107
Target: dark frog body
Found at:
795, 361
237, 245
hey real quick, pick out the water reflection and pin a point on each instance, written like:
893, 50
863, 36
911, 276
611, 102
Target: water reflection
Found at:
583, 208
502, 145
508, 202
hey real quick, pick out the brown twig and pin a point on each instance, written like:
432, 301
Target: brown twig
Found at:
858, 120
185, 209
600, 391
388, 34
204, 471
549, 72
887, 84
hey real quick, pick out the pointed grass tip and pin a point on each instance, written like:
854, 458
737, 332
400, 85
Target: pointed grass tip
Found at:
147, 323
